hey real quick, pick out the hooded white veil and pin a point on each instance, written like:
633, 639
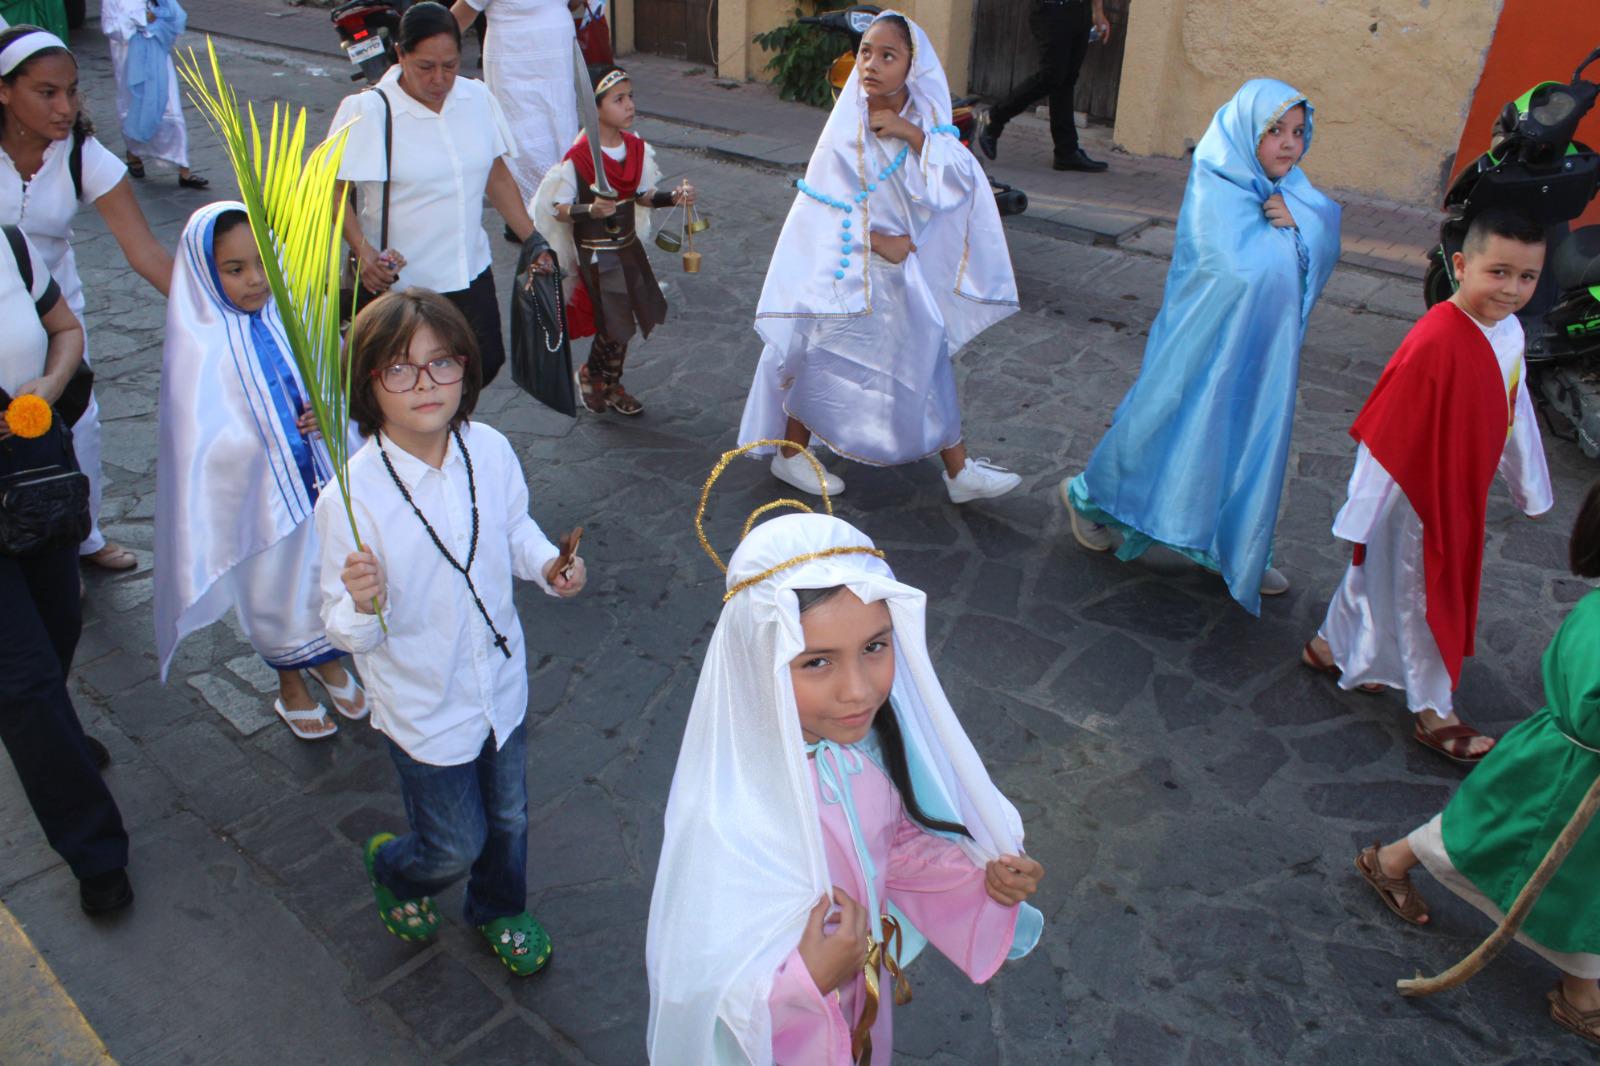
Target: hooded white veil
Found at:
742, 861
962, 248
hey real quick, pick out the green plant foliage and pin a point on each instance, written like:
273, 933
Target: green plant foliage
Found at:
801, 56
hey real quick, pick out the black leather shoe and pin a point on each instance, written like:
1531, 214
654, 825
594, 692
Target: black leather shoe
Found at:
1080, 161
988, 139
104, 893
98, 752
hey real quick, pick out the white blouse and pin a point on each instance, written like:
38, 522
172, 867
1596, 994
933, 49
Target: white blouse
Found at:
441, 168
44, 207
437, 683
24, 344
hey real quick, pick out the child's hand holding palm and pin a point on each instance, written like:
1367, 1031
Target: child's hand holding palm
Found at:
363, 580
1011, 879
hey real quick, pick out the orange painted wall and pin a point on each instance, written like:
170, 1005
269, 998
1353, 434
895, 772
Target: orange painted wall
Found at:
1536, 40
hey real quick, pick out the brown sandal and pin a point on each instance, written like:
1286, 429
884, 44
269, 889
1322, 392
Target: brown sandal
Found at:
1451, 742
592, 390
1308, 658
622, 402
1570, 1018
1414, 909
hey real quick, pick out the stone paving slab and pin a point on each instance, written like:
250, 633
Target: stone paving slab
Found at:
1194, 794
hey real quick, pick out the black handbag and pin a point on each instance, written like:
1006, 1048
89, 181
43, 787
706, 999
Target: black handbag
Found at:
44, 497
541, 351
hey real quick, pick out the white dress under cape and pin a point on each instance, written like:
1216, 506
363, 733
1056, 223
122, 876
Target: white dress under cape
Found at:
864, 360
119, 21
527, 64
235, 480
1377, 625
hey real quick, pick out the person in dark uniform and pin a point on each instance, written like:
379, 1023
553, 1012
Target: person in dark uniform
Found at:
1063, 29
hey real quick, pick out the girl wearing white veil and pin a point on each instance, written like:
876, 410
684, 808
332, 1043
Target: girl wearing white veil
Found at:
238, 474
821, 761
892, 258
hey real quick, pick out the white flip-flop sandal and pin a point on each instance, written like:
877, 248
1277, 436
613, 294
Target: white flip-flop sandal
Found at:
316, 714
346, 692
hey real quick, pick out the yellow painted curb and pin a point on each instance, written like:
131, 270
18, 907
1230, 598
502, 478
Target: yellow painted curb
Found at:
40, 1025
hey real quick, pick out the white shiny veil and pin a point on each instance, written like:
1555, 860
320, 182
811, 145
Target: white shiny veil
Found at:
229, 481
962, 249
742, 861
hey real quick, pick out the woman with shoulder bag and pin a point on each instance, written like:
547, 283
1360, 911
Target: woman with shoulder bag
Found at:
40, 528
423, 151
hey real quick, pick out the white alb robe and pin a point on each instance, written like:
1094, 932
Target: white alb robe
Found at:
120, 20
1377, 625
528, 66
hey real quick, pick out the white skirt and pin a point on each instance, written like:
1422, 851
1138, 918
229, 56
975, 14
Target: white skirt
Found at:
1377, 624
279, 602
1428, 843
171, 140
879, 388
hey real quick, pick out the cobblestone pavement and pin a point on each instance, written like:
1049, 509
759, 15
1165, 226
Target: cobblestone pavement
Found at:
1195, 795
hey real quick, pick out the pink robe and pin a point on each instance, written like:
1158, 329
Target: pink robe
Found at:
931, 881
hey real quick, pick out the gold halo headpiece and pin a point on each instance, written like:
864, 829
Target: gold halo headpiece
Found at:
827, 504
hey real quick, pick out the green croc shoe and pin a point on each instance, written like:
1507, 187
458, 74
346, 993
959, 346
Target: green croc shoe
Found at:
520, 942
408, 919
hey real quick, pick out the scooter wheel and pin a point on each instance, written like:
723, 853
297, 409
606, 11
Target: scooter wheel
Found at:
1011, 201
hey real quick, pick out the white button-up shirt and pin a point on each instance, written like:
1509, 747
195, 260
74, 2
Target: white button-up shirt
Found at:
441, 168
437, 684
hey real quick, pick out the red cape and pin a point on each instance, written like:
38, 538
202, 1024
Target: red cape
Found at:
1437, 421
624, 178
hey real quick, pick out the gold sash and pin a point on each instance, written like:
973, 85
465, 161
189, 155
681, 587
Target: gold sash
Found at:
884, 953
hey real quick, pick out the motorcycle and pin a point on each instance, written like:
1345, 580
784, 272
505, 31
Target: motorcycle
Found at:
852, 22
368, 30
1533, 166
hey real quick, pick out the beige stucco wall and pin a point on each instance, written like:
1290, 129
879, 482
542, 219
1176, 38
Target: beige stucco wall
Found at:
1391, 79
948, 22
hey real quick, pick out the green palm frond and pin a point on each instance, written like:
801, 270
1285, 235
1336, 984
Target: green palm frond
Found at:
289, 196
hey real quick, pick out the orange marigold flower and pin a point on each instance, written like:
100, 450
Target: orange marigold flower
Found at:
28, 416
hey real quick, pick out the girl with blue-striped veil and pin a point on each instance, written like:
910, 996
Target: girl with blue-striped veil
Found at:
238, 473
1195, 456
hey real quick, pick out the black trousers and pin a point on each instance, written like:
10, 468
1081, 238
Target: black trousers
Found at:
1062, 29
482, 307
39, 625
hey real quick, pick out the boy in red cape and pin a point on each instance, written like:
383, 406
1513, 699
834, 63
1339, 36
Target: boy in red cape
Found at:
603, 239
1448, 413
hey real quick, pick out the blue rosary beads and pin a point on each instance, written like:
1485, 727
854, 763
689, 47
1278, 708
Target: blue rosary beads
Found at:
846, 237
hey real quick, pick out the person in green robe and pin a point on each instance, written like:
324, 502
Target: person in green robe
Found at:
46, 14
1501, 822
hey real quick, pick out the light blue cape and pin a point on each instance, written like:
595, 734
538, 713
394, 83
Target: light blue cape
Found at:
149, 61
1195, 455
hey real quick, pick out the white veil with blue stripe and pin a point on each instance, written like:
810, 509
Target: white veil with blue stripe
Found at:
234, 475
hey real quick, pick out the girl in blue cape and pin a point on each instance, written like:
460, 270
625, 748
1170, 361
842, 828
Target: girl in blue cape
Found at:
1195, 456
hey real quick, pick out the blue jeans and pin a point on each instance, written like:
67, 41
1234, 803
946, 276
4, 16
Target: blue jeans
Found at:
471, 818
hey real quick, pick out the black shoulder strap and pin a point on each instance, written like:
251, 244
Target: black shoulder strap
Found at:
388, 166
75, 162
19, 252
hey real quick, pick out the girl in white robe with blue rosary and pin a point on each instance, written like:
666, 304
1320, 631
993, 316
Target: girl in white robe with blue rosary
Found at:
892, 258
238, 474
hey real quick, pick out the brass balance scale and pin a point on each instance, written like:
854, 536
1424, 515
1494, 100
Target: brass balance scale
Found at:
683, 240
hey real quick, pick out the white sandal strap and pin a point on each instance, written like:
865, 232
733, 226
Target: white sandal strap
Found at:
316, 714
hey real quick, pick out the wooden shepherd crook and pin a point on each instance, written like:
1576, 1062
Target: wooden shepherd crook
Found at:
1462, 972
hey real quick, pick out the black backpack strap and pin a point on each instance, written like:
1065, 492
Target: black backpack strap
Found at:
19, 252
75, 162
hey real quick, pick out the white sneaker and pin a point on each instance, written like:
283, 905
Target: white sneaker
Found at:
797, 470
1273, 583
980, 480
1091, 535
